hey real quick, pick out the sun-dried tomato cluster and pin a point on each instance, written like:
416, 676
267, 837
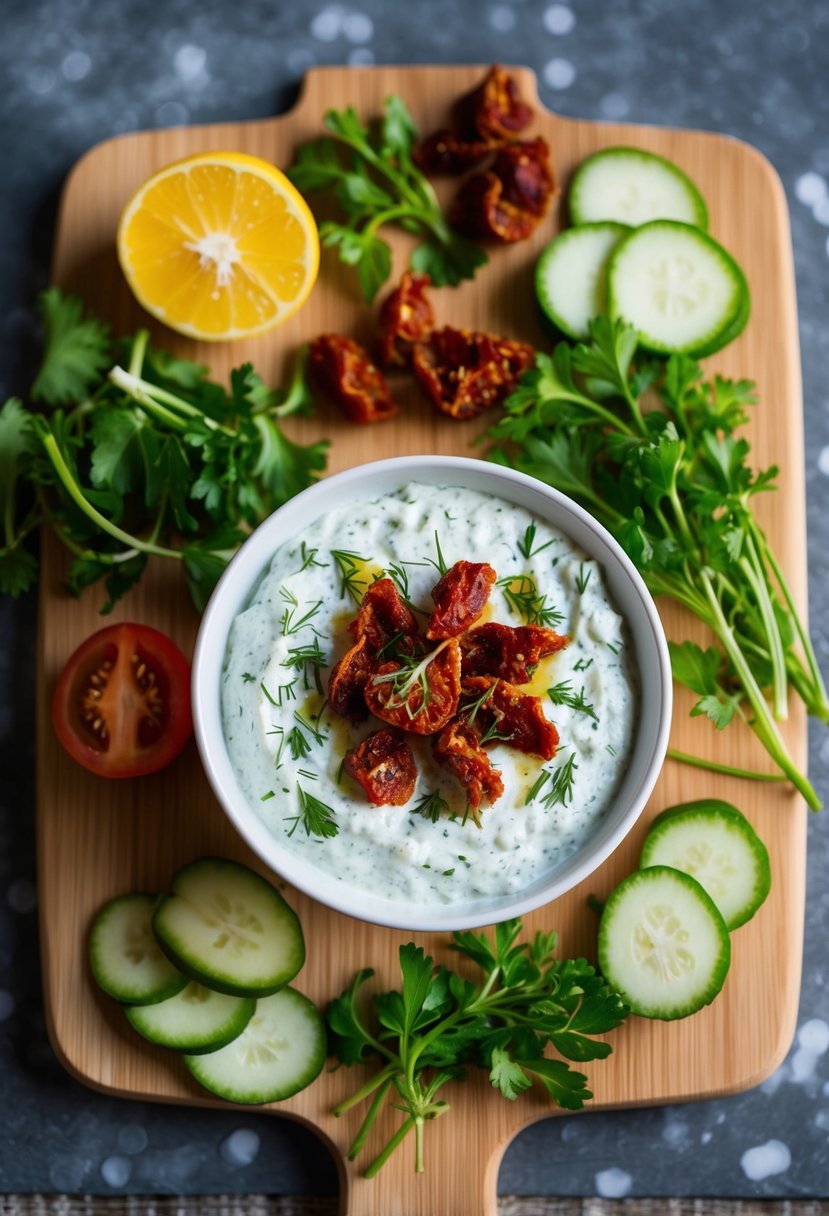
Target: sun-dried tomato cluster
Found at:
457, 683
506, 200
462, 371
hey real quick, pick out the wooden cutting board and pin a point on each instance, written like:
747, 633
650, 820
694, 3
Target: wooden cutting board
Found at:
100, 838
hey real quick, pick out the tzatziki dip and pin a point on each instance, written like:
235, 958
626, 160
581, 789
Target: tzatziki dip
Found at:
287, 746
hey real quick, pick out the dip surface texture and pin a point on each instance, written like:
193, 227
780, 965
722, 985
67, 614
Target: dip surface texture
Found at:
287, 746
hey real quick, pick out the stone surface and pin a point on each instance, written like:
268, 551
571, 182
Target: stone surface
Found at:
78, 71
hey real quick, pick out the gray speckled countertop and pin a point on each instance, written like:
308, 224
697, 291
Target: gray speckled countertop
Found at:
78, 71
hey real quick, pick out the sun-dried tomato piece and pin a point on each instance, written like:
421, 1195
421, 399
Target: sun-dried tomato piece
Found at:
382, 615
458, 749
347, 682
460, 596
418, 697
507, 202
526, 175
342, 369
510, 654
495, 109
515, 717
465, 372
406, 316
384, 766
448, 152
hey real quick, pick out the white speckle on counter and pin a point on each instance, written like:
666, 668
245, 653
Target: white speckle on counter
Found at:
766, 1160
189, 61
328, 23
559, 73
810, 188
41, 80
21, 896
240, 1147
116, 1171
823, 457
822, 1120
676, 1132
772, 1084
813, 1036
6, 1005
614, 105
706, 1137
613, 1183
559, 19
821, 211
501, 19
76, 66
132, 1139
358, 27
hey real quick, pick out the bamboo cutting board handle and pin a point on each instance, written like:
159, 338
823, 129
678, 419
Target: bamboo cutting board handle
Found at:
97, 839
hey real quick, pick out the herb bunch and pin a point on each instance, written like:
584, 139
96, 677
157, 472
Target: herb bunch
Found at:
134, 453
370, 169
439, 1023
674, 486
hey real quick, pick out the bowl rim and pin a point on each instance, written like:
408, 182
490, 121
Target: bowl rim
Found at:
251, 562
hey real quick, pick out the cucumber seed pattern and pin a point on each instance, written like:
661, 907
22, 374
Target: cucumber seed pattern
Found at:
660, 943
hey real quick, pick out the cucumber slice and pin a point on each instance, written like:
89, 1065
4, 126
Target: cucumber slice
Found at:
714, 843
663, 944
124, 956
677, 286
281, 1050
194, 1020
571, 276
229, 929
633, 187
731, 331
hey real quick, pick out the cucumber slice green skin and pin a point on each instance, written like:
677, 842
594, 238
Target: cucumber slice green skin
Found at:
281, 1051
634, 169
124, 956
696, 837
641, 256
195, 1020
663, 944
571, 276
229, 929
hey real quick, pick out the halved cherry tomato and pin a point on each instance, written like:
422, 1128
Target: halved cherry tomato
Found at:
122, 704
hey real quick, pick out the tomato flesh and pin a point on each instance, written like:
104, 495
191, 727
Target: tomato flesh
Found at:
122, 703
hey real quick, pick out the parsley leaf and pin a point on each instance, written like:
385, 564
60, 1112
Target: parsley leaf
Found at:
76, 349
370, 172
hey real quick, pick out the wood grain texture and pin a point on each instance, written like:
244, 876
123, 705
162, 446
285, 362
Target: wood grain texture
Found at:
99, 838
302, 1205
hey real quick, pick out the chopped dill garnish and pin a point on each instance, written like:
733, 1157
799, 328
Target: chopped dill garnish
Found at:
582, 665
615, 647
309, 558
523, 598
412, 671
525, 546
298, 743
349, 565
316, 817
266, 797
431, 806
563, 694
439, 562
300, 658
319, 736
288, 624
247, 677
561, 784
582, 579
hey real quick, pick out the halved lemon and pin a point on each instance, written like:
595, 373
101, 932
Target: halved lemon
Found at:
219, 246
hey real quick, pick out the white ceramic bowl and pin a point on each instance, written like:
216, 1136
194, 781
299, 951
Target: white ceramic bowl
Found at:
369, 482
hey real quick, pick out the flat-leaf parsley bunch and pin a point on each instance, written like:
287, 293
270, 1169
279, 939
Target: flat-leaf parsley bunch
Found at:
439, 1023
133, 453
674, 485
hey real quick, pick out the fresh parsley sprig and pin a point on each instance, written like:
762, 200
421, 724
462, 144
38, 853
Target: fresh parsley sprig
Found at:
675, 487
439, 1023
133, 453
374, 180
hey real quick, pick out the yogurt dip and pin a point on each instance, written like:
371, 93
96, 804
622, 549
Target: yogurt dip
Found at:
287, 747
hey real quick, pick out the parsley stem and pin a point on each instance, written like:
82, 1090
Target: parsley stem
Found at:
373, 1111
139, 350
155, 399
764, 725
396, 1140
727, 770
819, 705
76, 494
756, 578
